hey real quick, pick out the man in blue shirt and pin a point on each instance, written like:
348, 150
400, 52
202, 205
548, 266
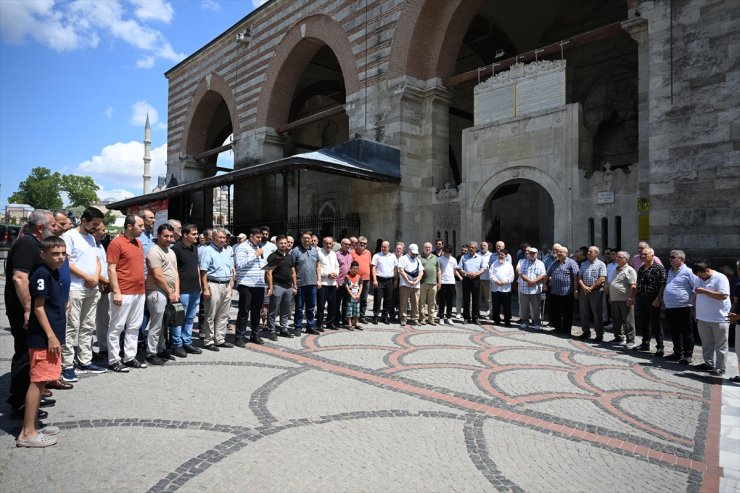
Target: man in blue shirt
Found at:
471, 267
679, 286
561, 283
216, 276
591, 280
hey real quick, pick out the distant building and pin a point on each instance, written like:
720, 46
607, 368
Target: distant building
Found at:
17, 213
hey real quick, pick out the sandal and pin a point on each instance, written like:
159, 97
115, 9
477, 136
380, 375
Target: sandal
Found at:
49, 430
40, 440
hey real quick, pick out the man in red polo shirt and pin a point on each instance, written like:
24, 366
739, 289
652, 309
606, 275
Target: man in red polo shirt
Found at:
362, 256
127, 297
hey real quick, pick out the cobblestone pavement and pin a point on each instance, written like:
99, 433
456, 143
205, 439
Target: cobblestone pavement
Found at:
430, 408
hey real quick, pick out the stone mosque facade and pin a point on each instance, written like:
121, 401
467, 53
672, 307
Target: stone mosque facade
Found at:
580, 122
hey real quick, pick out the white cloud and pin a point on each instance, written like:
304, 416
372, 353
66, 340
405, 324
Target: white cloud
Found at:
145, 62
139, 110
259, 3
161, 126
210, 5
121, 166
109, 112
154, 10
115, 194
67, 26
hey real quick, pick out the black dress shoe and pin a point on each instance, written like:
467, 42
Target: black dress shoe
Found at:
241, 342
255, 339
659, 352
386, 320
272, 336
375, 320
211, 347
225, 345
118, 367
46, 402
599, 338
155, 360
192, 349
319, 328
673, 357
362, 320
165, 355
134, 363
584, 336
18, 412
311, 331
179, 352
286, 334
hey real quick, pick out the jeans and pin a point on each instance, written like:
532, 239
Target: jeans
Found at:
182, 335
305, 299
250, 305
279, 306
327, 295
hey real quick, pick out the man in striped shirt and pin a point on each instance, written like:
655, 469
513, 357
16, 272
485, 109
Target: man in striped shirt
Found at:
250, 280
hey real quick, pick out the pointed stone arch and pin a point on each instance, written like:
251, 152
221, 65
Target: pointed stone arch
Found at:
293, 54
212, 90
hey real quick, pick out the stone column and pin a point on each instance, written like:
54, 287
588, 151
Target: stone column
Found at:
638, 30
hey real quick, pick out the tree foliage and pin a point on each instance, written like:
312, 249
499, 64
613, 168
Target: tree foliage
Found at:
42, 190
81, 190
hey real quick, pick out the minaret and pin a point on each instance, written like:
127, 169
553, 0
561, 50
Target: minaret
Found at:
147, 157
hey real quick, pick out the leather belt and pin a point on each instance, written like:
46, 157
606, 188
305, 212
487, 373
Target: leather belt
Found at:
219, 282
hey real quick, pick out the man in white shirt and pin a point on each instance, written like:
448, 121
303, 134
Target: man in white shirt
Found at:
712, 302
84, 294
410, 273
382, 274
531, 272
485, 288
501, 275
327, 293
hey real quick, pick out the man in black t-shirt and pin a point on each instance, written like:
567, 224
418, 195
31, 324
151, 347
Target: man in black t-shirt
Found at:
282, 285
23, 259
186, 251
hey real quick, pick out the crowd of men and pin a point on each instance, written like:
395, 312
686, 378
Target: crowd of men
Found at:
123, 291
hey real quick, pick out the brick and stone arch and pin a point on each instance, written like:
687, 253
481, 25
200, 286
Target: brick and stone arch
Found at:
429, 36
292, 56
211, 115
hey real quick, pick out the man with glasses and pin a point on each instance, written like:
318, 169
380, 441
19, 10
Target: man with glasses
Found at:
622, 291
679, 287
561, 283
383, 271
361, 255
439, 247
591, 279
531, 273
650, 284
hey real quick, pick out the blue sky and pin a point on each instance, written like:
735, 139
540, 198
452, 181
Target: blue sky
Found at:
78, 77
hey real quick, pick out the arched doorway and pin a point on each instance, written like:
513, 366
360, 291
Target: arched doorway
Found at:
519, 211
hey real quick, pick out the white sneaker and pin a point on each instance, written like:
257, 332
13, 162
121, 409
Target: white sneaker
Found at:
441, 321
629, 345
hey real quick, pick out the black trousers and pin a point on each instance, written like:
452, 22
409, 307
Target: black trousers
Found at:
471, 288
384, 293
363, 297
679, 323
501, 300
20, 365
561, 312
250, 305
649, 319
446, 301
327, 295
342, 298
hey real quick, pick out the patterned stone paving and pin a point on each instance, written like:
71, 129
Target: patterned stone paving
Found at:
445, 408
